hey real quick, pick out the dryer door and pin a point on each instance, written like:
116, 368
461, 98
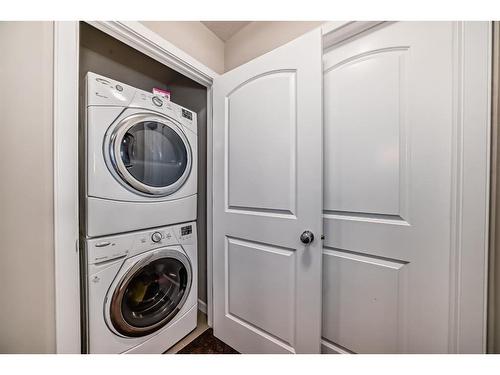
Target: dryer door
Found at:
151, 293
149, 154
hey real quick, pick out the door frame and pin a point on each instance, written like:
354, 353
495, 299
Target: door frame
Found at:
65, 153
470, 179
469, 196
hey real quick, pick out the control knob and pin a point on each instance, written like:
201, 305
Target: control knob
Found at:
157, 101
156, 237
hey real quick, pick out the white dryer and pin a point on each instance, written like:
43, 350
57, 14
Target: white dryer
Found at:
141, 159
141, 290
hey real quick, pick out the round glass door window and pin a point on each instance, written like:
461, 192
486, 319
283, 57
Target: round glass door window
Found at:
151, 295
153, 157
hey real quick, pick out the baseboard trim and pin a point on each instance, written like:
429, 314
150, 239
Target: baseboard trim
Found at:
202, 306
328, 347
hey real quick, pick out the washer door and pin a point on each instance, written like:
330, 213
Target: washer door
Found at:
151, 293
150, 154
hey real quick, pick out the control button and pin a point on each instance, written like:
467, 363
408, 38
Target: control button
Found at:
187, 114
101, 80
186, 230
157, 101
156, 237
119, 88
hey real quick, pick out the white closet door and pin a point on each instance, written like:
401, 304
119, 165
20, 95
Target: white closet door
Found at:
388, 99
267, 191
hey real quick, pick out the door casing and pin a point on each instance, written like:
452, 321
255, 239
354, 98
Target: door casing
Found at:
65, 107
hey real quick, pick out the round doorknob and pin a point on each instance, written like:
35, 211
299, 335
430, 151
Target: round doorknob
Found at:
307, 237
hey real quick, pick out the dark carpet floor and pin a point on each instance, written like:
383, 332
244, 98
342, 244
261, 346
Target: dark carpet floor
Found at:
207, 343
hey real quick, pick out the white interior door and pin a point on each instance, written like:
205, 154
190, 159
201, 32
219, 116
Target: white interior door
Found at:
388, 98
267, 192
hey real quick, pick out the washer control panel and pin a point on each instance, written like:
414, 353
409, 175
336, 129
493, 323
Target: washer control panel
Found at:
105, 249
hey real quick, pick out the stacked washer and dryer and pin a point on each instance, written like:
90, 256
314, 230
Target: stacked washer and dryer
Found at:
140, 197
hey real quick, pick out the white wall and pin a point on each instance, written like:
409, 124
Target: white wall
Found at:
251, 41
27, 303
257, 38
193, 38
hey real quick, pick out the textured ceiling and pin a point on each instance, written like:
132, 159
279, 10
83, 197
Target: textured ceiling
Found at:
225, 29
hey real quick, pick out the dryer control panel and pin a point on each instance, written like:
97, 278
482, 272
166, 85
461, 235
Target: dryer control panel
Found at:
103, 91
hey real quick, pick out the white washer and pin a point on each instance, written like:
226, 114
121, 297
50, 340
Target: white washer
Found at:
141, 159
141, 290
